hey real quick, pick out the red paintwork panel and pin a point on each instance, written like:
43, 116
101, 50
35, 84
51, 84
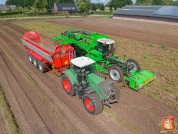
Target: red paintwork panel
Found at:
34, 36
37, 56
61, 55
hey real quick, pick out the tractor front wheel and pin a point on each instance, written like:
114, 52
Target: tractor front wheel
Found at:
92, 103
116, 73
133, 65
67, 85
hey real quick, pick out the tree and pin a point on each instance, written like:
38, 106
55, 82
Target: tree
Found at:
44, 5
82, 6
37, 5
157, 2
176, 3
20, 3
168, 2
77, 2
17, 9
102, 7
98, 5
93, 7
88, 5
26, 3
140, 2
127, 2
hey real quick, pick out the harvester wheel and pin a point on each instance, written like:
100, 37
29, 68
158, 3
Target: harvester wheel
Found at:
92, 103
35, 62
41, 66
67, 85
133, 65
116, 73
30, 58
116, 92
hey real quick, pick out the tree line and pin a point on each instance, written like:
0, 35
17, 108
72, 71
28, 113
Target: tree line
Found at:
157, 2
86, 5
120, 3
27, 3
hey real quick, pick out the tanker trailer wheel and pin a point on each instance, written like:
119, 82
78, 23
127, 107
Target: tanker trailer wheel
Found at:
41, 66
30, 58
92, 103
116, 73
35, 62
116, 91
67, 85
133, 65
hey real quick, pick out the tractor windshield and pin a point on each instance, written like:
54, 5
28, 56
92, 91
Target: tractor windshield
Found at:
90, 69
105, 48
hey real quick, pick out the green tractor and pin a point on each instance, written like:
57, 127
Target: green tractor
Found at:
81, 80
101, 49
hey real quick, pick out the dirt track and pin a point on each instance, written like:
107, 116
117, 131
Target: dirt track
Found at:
40, 104
161, 34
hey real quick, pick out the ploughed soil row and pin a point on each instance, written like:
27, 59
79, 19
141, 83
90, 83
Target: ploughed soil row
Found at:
161, 34
135, 109
20, 104
56, 111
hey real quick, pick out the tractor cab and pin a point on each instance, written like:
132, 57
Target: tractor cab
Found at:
82, 66
106, 46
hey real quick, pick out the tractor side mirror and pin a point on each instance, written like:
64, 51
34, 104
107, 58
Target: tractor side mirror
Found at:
79, 77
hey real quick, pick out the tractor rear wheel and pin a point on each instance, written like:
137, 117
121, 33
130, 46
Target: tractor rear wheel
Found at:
116, 92
35, 62
41, 66
116, 73
67, 84
133, 65
30, 58
92, 103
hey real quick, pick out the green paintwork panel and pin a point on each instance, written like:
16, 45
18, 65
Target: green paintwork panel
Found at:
95, 55
83, 39
94, 80
139, 79
71, 74
85, 44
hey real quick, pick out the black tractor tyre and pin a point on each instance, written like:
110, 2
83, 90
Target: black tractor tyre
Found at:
92, 103
30, 58
67, 84
41, 66
135, 65
116, 73
35, 62
116, 92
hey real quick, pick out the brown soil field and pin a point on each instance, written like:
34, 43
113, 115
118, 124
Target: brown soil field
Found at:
161, 34
40, 105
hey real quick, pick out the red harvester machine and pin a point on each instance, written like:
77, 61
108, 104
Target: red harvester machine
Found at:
43, 56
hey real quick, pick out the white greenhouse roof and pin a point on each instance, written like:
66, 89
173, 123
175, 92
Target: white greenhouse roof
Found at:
82, 61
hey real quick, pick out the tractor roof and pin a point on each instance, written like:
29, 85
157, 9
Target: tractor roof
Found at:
107, 41
82, 61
